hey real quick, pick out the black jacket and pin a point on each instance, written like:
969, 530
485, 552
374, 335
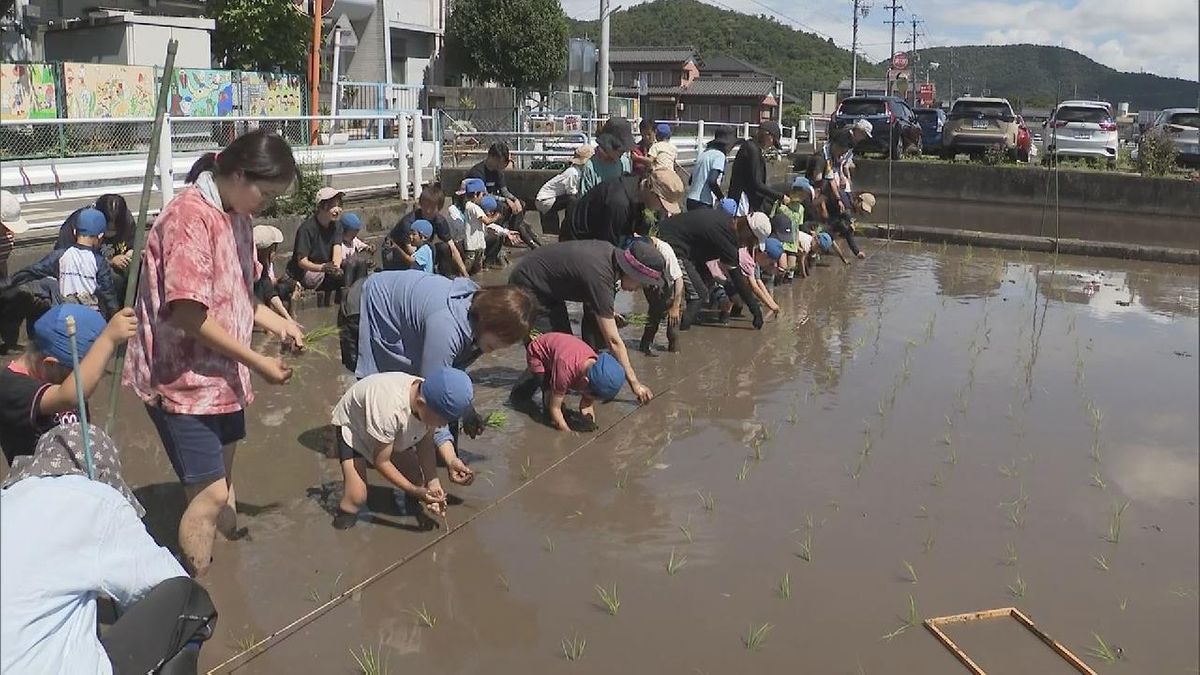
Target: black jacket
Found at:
749, 176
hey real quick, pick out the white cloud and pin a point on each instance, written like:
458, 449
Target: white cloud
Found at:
1158, 36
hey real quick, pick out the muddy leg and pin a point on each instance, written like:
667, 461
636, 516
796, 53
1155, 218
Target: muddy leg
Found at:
227, 518
198, 527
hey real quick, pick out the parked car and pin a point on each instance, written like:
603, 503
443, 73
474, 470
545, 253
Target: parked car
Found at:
932, 121
894, 125
976, 124
1081, 129
1024, 140
1182, 126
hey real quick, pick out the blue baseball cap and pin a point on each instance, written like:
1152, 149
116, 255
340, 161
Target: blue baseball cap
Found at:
825, 241
663, 129
422, 227
91, 223
729, 206
773, 248
606, 377
350, 221
489, 204
50, 331
802, 183
472, 186
448, 391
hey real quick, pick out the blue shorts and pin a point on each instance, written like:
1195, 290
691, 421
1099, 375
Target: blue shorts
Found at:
195, 444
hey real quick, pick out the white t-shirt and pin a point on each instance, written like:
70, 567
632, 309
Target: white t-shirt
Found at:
565, 183
804, 241
475, 238
77, 272
458, 223
672, 269
378, 409
663, 154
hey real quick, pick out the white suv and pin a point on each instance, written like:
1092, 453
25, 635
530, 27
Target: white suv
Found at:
1081, 129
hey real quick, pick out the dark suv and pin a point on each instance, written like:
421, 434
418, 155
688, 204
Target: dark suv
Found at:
894, 125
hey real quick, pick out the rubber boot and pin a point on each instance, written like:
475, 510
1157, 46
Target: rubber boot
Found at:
672, 338
646, 346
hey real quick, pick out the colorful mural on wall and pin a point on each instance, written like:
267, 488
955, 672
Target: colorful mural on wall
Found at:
97, 90
276, 94
198, 92
28, 91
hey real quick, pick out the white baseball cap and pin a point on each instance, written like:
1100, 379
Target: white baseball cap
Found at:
10, 213
267, 235
863, 126
760, 225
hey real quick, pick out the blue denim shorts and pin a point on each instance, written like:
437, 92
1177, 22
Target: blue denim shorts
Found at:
195, 444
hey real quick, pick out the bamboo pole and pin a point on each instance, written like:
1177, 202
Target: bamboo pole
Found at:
139, 232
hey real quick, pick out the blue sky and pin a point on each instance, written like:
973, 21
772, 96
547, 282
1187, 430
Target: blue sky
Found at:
1157, 36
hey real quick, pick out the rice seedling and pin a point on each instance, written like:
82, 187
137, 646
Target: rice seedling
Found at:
574, 647
487, 477
835, 506
1010, 470
866, 451
369, 661
791, 418
637, 320
686, 530
936, 481
911, 621
949, 422
1098, 480
922, 512
315, 596
675, 563
1101, 650
1010, 555
927, 545
855, 472
526, 471
1015, 511
744, 471
758, 451
691, 418
1094, 453
503, 582
952, 456
496, 419
1123, 604
245, 643
912, 572
756, 636
1114, 522
321, 334
805, 552
947, 440
707, 500
1101, 562
610, 599
1017, 588
785, 586
622, 479
808, 521
424, 616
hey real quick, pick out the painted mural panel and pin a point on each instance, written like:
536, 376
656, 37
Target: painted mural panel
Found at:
100, 90
199, 92
277, 94
28, 91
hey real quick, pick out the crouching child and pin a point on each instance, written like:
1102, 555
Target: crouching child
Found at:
388, 420
560, 363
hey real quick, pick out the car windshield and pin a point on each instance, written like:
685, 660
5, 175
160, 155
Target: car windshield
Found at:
1187, 119
982, 108
864, 107
927, 116
1082, 114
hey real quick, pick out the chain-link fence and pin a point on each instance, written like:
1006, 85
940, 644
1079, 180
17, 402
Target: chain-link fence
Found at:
34, 139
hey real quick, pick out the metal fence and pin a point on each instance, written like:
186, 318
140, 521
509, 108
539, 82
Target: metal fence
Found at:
28, 139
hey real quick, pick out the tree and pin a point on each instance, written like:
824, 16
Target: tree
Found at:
518, 43
268, 35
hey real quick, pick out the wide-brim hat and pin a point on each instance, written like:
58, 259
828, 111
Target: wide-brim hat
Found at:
668, 187
619, 127
642, 261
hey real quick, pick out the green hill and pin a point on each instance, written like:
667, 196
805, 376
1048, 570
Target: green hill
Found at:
803, 61
1037, 75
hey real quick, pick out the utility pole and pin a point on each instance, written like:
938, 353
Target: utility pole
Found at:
894, 7
854, 53
602, 104
912, 59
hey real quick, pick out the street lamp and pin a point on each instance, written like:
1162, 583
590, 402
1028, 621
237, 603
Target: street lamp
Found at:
605, 14
933, 65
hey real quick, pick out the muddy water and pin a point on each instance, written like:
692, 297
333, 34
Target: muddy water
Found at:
939, 407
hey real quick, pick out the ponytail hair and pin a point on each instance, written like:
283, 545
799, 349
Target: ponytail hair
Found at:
261, 156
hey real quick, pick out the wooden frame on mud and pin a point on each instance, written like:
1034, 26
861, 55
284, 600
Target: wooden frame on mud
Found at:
934, 626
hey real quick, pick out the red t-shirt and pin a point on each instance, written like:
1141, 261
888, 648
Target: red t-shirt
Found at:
565, 357
195, 251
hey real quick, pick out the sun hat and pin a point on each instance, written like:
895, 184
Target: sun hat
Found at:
642, 261
266, 236
867, 202
327, 193
667, 186
606, 377
489, 204
423, 227
448, 391
803, 183
825, 241
91, 223
760, 225
772, 127
10, 213
472, 186
772, 247
729, 206
863, 126
350, 221
619, 128
50, 331
662, 129
583, 154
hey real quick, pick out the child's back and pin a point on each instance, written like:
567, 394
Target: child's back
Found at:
476, 239
664, 155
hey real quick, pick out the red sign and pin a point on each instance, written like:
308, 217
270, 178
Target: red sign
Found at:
925, 94
900, 61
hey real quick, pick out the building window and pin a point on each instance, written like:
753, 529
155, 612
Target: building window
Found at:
741, 113
702, 111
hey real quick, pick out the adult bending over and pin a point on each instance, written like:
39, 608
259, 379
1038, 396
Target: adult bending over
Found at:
588, 272
748, 176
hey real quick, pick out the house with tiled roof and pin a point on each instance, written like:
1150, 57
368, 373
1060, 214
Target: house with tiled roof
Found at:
681, 84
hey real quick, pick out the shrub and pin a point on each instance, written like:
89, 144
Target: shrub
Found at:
302, 199
1156, 155
994, 155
